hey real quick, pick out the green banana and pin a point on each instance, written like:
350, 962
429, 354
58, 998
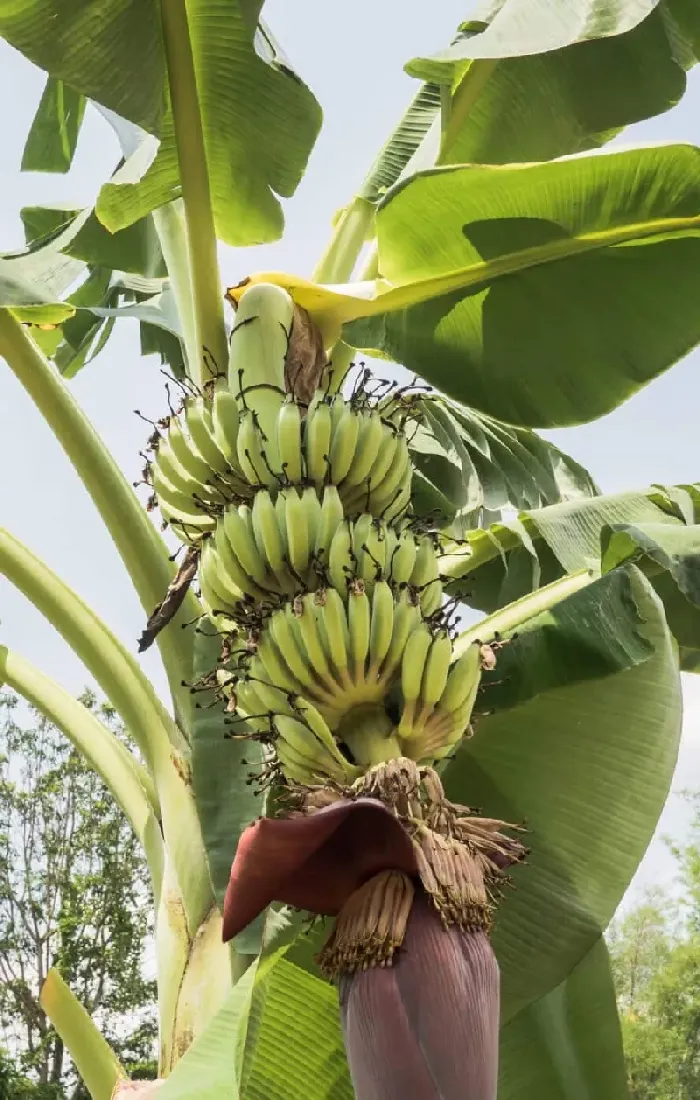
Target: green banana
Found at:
311, 638
381, 626
269, 541
426, 576
289, 440
225, 421
412, 668
333, 623
297, 531
403, 558
318, 439
201, 429
437, 666
341, 562
462, 681
243, 545
361, 529
186, 453
369, 438
359, 617
226, 592
345, 430
406, 619
277, 671
230, 574
179, 509
283, 635
330, 518
252, 456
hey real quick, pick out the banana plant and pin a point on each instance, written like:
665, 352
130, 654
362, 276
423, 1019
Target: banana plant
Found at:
415, 658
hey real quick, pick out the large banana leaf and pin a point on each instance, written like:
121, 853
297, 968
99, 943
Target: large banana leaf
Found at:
532, 79
211, 1068
568, 1045
586, 765
295, 1049
260, 121
670, 556
541, 294
656, 529
467, 464
53, 137
123, 275
529, 81
221, 767
97, 1064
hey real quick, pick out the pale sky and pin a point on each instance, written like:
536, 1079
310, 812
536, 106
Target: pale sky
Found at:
354, 66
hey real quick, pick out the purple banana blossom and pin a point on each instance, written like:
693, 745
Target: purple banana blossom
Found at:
425, 1028
421, 1025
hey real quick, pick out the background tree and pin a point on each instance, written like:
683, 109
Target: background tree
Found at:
655, 952
72, 896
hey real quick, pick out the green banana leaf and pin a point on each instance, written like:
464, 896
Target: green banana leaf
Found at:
295, 1048
221, 766
542, 294
584, 757
124, 275
95, 1061
467, 464
34, 282
53, 136
670, 556
211, 1068
260, 121
577, 73
568, 1045
422, 113
656, 529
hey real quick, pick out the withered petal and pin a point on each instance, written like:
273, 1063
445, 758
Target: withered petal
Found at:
315, 862
436, 1011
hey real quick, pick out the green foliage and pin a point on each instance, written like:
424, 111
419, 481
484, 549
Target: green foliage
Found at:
548, 58
568, 1044
508, 265
533, 763
73, 895
469, 467
655, 950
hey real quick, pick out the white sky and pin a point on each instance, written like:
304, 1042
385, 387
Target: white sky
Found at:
355, 68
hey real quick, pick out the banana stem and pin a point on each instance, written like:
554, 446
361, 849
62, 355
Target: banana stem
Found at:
196, 192
520, 611
352, 230
171, 228
141, 549
465, 96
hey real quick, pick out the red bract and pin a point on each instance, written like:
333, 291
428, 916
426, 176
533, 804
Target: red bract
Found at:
313, 862
425, 1028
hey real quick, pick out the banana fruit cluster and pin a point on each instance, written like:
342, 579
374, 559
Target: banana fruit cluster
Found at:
336, 654
341, 684
296, 542
248, 434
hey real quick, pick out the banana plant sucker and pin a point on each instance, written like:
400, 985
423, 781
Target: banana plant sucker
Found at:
337, 659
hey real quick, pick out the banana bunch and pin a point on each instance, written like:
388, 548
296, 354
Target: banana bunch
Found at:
342, 659
249, 434
296, 542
